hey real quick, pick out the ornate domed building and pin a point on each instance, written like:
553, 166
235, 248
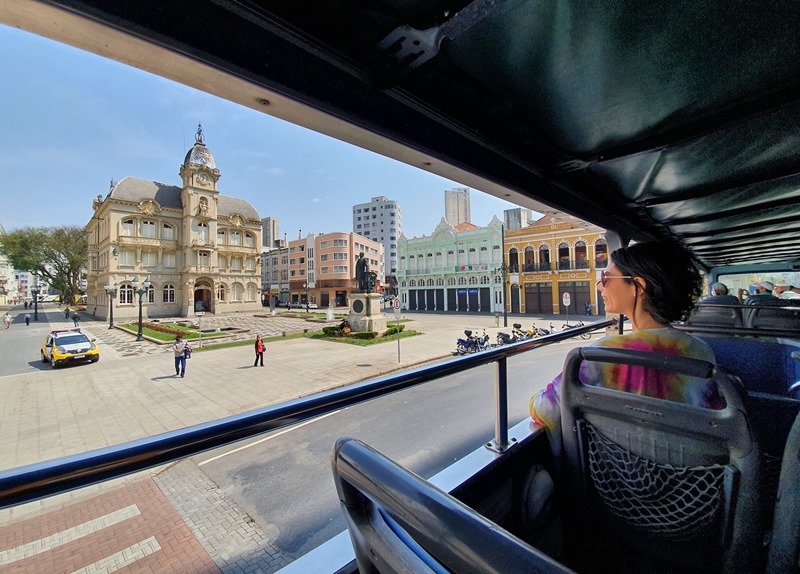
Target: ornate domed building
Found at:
199, 249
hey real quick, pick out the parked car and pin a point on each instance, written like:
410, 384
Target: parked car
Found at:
313, 306
64, 346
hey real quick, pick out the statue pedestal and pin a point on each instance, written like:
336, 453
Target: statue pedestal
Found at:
365, 313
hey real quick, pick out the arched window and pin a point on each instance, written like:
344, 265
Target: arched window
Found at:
167, 232
148, 228
544, 258
412, 283
563, 256
440, 282
251, 291
513, 260
462, 281
126, 294
530, 262
220, 237
601, 254
128, 228
451, 281
473, 280
581, 255
430, 283
202, 232
221, 292
249, 241
485, 280
168, 293
451, 258
235, 237
150, 295
237, 290
403, 284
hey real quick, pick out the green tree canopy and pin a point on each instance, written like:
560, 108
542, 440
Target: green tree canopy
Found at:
55, 253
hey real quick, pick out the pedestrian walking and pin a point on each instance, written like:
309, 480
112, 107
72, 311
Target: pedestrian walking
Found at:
182, 351
66, 313
7, 320
259, 351
27, 319
26, 304
76, 319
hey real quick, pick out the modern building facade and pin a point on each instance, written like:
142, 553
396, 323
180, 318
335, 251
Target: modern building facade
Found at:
549, 258
270, 232
381, 220
456, 206
456, 268
517, 218
320, 269
200, 249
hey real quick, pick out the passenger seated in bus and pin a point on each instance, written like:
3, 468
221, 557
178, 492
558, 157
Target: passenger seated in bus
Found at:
653, 284
763, 294
719, 296
787, 292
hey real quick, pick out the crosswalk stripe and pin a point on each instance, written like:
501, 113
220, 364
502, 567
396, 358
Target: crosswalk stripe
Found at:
122, 558
66, 536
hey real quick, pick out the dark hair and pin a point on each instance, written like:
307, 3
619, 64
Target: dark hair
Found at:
673, 283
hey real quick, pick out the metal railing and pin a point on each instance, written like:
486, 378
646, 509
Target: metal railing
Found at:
43, 479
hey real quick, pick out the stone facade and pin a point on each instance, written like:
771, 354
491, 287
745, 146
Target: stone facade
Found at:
200, 249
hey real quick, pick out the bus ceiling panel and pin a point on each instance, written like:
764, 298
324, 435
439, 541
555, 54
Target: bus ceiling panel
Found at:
594, 76
761, 241
751, 259
763, 149
720, 206
782, 246
785, 215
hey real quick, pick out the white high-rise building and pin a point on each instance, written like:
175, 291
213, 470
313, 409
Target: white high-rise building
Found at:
517, 218
270, 232
456, 206
381, 220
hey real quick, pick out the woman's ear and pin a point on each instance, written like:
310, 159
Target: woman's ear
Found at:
641, 282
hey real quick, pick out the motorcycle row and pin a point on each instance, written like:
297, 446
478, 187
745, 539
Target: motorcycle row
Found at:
474, 343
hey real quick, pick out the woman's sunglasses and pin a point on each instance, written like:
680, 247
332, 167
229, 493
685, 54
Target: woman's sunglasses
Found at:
604, 277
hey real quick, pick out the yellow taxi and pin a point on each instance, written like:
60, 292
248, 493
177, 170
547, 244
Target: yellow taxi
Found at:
65, 346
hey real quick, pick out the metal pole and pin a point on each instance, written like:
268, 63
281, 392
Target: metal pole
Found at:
139, 336
505, 273
501, 405
200, 331
111, 309
36, 306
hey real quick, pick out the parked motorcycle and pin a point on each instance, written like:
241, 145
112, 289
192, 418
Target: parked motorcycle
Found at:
541, 332
567, 326
472, 343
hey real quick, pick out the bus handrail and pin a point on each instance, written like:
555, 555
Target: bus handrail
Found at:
40, 480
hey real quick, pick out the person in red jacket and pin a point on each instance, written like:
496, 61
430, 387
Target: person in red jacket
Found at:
259, 351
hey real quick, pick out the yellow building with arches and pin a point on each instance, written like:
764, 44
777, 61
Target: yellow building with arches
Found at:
549, 258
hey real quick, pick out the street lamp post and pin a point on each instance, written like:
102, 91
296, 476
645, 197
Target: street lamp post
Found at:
305, 287
141, 291
35, 293
111, 291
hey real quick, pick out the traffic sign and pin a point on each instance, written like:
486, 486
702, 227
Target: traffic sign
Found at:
396, 305
566, 299
199, 313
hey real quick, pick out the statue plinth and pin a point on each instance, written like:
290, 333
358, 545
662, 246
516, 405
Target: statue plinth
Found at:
365, 313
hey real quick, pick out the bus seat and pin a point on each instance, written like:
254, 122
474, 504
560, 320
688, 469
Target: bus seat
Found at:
763, 366
399, 522
784, 546
674, 482
715, 315
764, 315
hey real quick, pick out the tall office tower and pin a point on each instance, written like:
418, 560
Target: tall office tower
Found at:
517, 218
456, 206
381, 220
270, 232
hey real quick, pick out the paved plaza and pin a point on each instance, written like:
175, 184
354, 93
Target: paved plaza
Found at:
132, 393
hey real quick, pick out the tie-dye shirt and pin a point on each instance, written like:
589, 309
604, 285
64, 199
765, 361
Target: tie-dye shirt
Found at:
545, 406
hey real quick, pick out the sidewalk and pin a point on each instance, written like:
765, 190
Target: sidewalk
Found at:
133, 393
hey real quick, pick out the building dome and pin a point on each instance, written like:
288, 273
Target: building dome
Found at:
200, 154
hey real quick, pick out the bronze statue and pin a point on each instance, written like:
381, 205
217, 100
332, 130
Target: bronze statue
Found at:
362, 272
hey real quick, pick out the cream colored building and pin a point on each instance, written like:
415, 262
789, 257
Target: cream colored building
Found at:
200, 249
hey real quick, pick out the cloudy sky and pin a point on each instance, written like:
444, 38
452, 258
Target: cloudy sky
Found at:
70, 122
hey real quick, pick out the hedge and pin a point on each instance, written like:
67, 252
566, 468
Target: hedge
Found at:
394, 329
363, 335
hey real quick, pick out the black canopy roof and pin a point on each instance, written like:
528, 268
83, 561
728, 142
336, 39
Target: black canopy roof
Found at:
673, 120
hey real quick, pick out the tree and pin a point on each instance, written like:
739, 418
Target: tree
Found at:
55, 253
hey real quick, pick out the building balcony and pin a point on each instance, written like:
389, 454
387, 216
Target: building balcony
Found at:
202, 243
237, 249
132, 242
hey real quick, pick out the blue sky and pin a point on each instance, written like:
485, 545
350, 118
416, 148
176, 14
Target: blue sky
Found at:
71, 121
